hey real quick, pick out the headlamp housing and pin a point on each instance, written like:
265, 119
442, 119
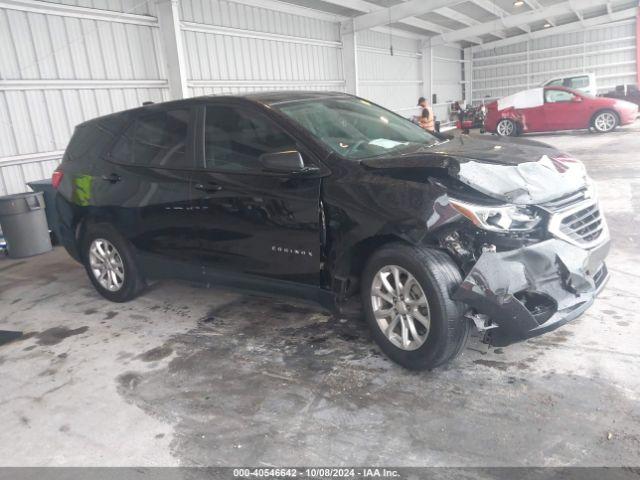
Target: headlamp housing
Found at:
499, 218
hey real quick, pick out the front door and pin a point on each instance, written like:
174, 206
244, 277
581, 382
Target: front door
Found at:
252, 221
564, 110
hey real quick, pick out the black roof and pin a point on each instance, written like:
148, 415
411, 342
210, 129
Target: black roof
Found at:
280, 96
266, 98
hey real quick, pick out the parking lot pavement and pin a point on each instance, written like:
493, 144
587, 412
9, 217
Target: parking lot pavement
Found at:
203, 376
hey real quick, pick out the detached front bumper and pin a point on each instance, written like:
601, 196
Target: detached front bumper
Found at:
533, 290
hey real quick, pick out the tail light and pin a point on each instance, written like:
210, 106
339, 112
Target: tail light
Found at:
56, 178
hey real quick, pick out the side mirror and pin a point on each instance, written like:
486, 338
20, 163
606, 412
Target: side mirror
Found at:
576, 99
282, 162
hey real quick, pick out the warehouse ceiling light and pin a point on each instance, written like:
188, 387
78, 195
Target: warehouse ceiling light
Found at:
518, 3
547, 25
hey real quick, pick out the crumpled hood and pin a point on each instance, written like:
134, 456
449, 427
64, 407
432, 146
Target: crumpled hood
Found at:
516, 171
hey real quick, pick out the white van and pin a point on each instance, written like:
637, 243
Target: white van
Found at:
584, 82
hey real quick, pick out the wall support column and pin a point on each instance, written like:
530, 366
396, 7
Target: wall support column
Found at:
638, 47
349, 58
172, 47
427, 69
467, 57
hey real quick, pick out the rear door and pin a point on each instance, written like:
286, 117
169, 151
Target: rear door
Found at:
148, 180
564, 110
252, 221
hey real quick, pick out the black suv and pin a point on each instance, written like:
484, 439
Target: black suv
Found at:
328, 197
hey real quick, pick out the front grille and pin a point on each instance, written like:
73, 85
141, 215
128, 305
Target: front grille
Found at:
565, 202
576, 219
583, 226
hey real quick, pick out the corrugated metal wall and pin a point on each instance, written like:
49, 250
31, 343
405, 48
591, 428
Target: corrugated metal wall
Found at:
447, 77
235, 48
393, 81
61, 65
67, 61
608, 51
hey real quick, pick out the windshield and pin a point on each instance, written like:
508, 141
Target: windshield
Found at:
356, 129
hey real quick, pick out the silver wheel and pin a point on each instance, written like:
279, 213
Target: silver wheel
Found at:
106, 264
505, 128
400, 307
605, 122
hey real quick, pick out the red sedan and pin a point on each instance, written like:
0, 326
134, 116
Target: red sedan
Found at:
550, 109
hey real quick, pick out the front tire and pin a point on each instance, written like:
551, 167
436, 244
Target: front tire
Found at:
110, 263
406, 296
507, 128
605, 121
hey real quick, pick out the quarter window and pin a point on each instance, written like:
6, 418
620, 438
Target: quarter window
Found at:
156, 140
235, 138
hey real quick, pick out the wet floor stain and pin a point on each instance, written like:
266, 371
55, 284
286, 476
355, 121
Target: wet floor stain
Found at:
129, 380
55, 335
109, 315
156, 354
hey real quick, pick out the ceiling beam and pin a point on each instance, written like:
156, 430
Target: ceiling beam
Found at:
535, 5
566, 28
498, 11
457, 16
393, 14
367, 7
524, 18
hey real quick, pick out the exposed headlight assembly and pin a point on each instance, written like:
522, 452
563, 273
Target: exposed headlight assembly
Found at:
501, 218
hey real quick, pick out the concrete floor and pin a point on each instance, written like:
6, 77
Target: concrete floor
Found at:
186, 375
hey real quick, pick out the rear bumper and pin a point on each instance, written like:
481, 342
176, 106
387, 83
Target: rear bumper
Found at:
536, 289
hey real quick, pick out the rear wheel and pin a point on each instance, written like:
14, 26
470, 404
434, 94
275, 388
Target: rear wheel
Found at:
507, 128
110, 263
406, 297
605, 121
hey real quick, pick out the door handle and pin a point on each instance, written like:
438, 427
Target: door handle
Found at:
208, 188
113, 178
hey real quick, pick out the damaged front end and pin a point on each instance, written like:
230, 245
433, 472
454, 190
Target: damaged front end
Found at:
522, 222
526, 292
532, 268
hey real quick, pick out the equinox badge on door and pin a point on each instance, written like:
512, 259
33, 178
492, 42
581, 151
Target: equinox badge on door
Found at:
293, 251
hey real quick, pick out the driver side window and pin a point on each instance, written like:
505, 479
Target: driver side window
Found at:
557, 96
234, 139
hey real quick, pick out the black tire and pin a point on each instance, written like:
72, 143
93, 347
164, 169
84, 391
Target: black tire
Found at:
611, 114
438, 276
510, 126
133, 282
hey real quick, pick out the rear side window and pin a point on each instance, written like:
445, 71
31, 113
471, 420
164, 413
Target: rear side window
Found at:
91, 139
235, 138
156, 140
577, 82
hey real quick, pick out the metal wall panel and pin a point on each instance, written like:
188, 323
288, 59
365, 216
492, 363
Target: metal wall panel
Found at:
236, 48
58, 70
141, 7
446, 81
608, 51
393, 81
